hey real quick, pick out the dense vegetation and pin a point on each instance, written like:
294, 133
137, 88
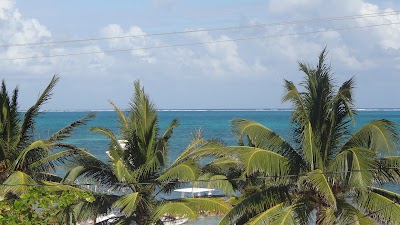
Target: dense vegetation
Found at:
327, 174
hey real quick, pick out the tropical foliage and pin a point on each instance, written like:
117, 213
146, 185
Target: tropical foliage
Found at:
328, 174
138, 171
42, 206
25, 160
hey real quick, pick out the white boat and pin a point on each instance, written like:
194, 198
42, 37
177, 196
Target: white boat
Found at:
171, 220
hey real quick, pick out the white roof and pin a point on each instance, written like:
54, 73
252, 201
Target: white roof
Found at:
194, 190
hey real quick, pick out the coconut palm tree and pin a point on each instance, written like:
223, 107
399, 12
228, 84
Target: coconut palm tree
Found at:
138, 171
328, 174
24, 159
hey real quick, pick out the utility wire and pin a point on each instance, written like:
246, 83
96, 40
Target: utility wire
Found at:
360, 16
199, 181
201, 43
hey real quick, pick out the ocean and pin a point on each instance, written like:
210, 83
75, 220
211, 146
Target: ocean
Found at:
212, 123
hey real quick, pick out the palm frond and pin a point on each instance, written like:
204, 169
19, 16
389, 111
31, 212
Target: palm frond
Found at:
21, 160
115, 150
196, 143
380, 207
85, 210
30, 115
222, 183
192, 207
256, 203
178, 209
326, 216
186, 171
162, 143
356, 167
18, 183
88, 166
66, 131
123, 121
380, 136
267, 217
121, 171
310, 149
338, 120
260, 160
207, 150
128, 203
212, 181
318, 182
212, 205
285, 216
348, 214
50, 186
143, 118
263, 137
293, 95
389, 170
57, 158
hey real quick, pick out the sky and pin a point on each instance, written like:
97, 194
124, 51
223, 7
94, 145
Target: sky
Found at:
234, 74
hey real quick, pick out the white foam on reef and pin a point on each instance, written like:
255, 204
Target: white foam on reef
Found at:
220, 110
215, 110
378, 109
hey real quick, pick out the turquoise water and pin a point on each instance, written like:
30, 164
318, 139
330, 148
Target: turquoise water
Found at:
213, 123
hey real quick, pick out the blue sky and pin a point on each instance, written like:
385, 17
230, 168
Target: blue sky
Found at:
236, 74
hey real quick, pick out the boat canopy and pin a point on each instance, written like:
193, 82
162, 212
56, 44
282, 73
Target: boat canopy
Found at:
193, 191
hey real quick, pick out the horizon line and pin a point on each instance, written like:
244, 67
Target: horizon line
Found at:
211, 109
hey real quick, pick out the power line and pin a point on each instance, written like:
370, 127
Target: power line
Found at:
199, 181
360, 16
200, 43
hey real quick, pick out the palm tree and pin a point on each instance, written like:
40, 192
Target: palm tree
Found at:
329, 174
24, 159
138, 172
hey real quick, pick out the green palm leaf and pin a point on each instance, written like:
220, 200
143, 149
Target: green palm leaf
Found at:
191, 207
263, 137
66, 131
213, 205
378, 135
381, 206
356, 167
196, 145
212, 181
260, 160
222, 183
115, 149
285, 217
87, 165
59, 156
267, 217
311, 152
18, 183
29, 116
123, 121
317, 180
128, 203
256, 203
348, 214
122, 172
18, 163
186, 171
180, 209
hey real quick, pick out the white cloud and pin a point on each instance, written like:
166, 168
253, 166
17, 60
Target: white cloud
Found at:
115, 30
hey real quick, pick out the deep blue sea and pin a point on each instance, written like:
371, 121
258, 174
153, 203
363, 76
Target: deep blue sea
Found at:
212, 123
